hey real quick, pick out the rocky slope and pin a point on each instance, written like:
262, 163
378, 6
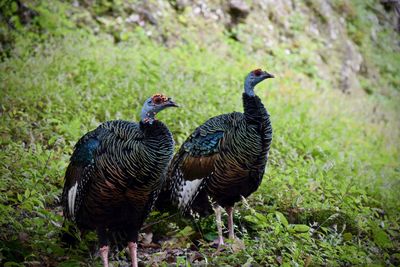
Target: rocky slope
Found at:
352, 44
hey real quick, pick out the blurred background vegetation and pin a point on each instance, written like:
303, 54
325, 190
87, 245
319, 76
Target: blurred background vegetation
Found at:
330, 195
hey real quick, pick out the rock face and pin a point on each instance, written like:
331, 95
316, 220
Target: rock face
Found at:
322, 31
238, 10
352, 61
393, 5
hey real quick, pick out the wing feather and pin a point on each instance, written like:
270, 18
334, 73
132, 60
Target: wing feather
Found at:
198, 155
193, 164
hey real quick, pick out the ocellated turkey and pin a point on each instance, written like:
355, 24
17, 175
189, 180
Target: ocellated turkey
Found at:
223, 160
115, 174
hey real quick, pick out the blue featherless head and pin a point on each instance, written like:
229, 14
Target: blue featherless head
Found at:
155, 104
253, 78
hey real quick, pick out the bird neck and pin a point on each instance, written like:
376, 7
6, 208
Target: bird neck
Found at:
148, 116
254, 109
153, 128
248, 88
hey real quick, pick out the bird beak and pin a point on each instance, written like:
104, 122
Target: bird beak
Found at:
268, 75
171, 103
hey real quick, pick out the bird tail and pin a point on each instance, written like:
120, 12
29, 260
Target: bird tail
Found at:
164, 202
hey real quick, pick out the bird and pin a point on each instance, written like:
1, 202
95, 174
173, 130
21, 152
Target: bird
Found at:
222, 161
115, 174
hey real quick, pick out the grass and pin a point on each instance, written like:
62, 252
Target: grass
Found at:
330, 192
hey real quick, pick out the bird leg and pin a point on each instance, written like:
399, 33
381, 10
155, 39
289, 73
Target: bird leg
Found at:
217, 211
133, 250
229, 210
104, 248
104, 255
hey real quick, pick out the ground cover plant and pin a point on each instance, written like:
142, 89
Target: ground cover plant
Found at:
330, 192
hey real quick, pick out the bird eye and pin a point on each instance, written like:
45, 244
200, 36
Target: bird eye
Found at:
157, 100
257, 72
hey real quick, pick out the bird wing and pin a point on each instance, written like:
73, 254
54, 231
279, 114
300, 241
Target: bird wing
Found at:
77, 176
194, 162
199, 154
96, 151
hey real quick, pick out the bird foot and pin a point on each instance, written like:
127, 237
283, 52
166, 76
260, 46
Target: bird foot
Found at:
219, 244
220, 249
235, 245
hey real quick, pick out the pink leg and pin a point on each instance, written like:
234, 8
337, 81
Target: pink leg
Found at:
229, 210
133, 250
217, 211
104, 255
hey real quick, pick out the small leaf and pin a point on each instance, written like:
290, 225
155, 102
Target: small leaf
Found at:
14, 7
301, 228
27, 193
304, 235
281, 218
185, 232
261, 217
53, 139
347, 236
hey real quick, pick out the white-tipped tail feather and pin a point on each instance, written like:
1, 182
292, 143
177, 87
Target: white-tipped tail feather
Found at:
188, 192
71, 200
